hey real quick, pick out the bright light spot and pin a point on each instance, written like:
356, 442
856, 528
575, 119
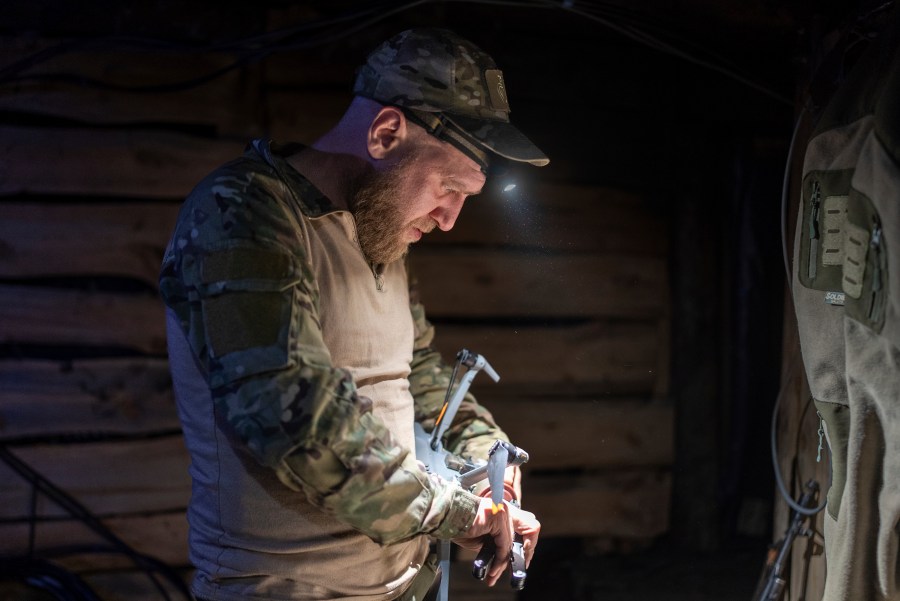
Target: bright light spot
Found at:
509, 187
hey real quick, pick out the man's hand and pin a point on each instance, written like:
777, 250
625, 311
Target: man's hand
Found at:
512, 485
500, 527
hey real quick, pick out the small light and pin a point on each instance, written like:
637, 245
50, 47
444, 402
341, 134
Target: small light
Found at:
509, 187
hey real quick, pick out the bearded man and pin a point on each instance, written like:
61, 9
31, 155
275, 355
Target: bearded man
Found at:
301, 360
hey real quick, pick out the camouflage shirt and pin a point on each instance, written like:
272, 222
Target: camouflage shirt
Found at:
239, 280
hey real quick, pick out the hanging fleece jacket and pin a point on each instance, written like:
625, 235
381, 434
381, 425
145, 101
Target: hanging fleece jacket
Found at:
846, 288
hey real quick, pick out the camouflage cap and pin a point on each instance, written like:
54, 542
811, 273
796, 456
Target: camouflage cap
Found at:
450, 87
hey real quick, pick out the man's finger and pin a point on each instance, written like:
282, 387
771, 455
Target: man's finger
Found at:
503, 539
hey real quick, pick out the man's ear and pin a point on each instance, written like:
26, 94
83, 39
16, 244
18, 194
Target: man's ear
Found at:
387, 132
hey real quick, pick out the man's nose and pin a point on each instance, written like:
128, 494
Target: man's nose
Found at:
446, 213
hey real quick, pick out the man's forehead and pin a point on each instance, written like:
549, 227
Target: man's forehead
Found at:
456, 166
471, 182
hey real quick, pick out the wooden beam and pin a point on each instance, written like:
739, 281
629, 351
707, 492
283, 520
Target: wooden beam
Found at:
621, 504
122, 397
54, 316
559, 217
467, 283
112, 162
228, 104
626, 504
116, 396
162, 535
127, 239
564, 433
605, 357
85, 239
304, 115
596, 357
109, 478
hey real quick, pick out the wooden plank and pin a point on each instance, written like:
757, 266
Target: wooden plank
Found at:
129, 584
127, 238
595, 357
468, 283
623, 504
118, 396
560, 433
228, 104
134, 396
559, 217
304, 115
52, 316
604, 357
109, 478
162, 535
334, 67
78, 239
123, 583
135, 163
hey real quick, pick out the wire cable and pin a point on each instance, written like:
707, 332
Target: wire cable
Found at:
150, 565
658, 44
773, 445
785, 194
252, 49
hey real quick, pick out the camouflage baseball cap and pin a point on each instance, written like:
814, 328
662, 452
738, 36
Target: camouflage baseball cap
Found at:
452, 88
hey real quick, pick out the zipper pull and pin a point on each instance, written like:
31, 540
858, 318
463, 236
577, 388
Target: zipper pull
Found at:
814, 212
378, 271
821, 437
813, 265
875, 307
875, 245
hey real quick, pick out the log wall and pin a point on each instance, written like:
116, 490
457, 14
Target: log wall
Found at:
564, 289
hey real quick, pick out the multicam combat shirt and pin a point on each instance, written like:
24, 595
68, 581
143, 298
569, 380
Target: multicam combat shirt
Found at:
298, 373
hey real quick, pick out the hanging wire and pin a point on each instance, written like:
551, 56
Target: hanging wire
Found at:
630, 23
773, 447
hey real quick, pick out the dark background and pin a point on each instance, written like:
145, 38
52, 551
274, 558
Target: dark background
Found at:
690, 104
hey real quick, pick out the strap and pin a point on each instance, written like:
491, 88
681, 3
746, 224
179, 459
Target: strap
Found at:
443, 129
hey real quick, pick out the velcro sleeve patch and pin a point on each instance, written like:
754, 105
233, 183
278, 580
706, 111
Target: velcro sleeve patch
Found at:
246, 263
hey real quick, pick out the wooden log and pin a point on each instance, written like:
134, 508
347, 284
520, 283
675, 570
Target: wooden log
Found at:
605, 357
595, 357
112, 162
304, 115
128, 584
559, 217
52, 316
112, 396
127, 238
85, 239
468, 283
109, 478
622, 504
229, 104
122, 397
162, 535
564, 433
123, 583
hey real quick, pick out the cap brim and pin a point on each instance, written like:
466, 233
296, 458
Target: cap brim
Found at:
501, 138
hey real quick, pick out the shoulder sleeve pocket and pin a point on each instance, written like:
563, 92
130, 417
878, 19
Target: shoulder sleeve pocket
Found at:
247, 297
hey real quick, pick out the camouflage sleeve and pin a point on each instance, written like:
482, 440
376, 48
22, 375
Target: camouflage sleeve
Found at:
473, 430
237, 276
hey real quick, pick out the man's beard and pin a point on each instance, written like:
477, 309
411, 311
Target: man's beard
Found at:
378, 206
